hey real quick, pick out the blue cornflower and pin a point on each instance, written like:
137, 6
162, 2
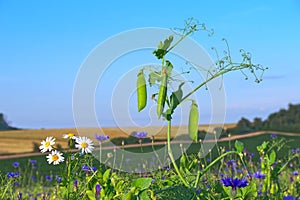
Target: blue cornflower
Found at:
153, 180
98, 189
234, 182
33, 178
16, 184
273, 136
295, 173
127, 160
232, 164
141, 134
12, 174
85, 168
15, 164
20, 196
33, 162
58, 179
101, 138
293, 151
289, 197
94, 169
259, 175
48, 178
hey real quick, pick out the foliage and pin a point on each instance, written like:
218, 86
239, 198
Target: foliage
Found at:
283, 120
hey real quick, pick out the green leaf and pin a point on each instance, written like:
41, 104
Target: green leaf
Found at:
90, 194
161, 51
144, 195
142, 183
106, 175
154, 77
175, 98
239, 146
272, 158
263, 146
183, 162
169, 67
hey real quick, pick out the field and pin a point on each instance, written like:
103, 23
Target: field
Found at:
22, 141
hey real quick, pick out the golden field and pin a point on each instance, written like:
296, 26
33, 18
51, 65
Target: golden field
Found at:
22, 141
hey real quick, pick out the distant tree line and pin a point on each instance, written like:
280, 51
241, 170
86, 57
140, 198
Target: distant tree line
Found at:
4, 125
283, 120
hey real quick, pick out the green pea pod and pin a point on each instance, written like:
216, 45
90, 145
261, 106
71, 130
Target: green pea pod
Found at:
162, 94
193, 122
141, 91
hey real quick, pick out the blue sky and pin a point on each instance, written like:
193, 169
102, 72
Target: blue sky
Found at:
44, 43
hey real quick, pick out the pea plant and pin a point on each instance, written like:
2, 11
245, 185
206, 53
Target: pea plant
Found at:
168, 100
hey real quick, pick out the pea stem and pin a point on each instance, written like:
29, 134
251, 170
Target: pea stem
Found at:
170, 153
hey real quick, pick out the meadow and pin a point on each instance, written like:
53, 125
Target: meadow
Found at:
256, 170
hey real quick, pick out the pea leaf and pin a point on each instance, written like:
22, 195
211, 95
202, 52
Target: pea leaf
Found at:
154, 77
161, 51
142, 183
239, 146
272, 157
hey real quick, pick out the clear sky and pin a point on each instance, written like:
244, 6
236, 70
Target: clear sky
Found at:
44, 43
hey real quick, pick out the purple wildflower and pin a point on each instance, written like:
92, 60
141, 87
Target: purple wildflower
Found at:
259, 175
295, 173
141, 134
85, 168
12, 174
33, 162
48, 178
289, 197
273, 136
33, 178
98, 189
94, 169
101, 138
234, 182
58, 179
15, 164
20, 196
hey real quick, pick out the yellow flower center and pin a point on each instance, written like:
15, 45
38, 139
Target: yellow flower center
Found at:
55, 157
47, 144
71, 135
84, 145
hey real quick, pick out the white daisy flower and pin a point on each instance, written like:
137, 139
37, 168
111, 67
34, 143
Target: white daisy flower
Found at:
69, 136
85, 144
55, 157
47, 144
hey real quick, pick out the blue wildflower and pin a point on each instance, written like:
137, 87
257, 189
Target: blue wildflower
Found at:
15, 164
33, 162
12, 174
20, 196
141, 134
295, 173
58, 179
33, 178
259, 175
98, 189
85, 168
101, 138
48, 178
289, 197
94, 169
234, 182
273, 136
